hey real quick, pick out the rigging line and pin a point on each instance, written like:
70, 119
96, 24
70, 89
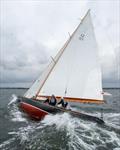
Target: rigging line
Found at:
69, 34
66, 89
53, 59
65, 92
68, 78
66, 44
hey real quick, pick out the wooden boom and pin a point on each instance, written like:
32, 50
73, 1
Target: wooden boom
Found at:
72, 99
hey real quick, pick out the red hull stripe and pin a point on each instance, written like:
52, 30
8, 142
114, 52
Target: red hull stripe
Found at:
33, 110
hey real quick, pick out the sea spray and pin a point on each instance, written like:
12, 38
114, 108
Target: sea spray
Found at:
14, 112
13, 99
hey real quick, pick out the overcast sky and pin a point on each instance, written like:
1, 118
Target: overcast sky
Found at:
32, 31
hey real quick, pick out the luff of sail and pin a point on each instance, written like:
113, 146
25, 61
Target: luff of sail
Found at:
76, 73
37, 85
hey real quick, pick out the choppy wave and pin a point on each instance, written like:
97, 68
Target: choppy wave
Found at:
61, 132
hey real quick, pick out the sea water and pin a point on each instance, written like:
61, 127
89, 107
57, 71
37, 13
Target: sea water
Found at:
60, 131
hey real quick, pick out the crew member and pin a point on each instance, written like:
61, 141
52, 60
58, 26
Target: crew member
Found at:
61, 102
46, 101
53, 100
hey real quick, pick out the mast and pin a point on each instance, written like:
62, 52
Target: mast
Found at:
63, 49
75, 71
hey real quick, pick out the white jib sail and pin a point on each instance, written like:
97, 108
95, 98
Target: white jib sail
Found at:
77, 72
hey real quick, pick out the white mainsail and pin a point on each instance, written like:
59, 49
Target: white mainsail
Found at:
75, 72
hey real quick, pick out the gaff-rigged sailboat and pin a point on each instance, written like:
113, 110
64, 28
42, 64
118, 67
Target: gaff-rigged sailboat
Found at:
74, 74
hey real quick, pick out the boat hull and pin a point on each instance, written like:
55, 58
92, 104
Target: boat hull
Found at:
33, 111
38, 110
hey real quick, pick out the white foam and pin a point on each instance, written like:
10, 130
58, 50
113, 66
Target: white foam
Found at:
12, 133
15, 113
78, 131
65, 121
12, 99
60, 120
83, 134
23, 133
112, 119
6, 143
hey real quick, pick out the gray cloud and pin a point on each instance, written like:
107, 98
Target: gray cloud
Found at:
111, 70
20, 62
33, 31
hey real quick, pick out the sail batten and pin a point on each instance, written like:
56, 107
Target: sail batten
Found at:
76, 72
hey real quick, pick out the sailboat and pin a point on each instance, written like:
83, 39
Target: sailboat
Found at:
74, 74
